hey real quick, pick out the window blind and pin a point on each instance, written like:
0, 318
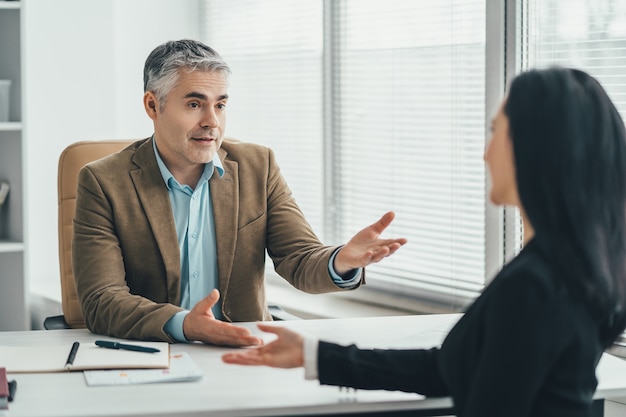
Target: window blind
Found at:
590, 35
274, 48
409, 136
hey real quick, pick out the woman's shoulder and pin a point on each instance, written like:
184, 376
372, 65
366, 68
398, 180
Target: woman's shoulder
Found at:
531, 276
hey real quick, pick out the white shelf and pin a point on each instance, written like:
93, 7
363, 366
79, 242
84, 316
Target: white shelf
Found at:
14, 303
9, 4
8, 246
10, 126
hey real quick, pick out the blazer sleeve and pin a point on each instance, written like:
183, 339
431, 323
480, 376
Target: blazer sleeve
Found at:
108, 305
389, 369
297, 253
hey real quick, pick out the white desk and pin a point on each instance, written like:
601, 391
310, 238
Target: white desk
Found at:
230, 390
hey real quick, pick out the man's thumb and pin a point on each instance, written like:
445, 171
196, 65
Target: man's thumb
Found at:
209, 301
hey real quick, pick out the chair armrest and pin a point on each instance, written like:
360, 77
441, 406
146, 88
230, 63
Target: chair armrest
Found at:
279, 314
55, 323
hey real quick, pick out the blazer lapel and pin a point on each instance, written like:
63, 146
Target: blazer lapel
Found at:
225, 199
155, 201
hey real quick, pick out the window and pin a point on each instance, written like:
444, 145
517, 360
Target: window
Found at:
371, 106
586, 34
408, 131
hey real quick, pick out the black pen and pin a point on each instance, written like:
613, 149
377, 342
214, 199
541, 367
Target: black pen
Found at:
72, 355
12, 389
116, 345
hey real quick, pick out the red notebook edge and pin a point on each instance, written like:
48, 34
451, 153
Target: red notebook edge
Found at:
4, 389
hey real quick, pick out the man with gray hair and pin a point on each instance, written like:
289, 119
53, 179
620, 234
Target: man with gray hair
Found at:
170, 233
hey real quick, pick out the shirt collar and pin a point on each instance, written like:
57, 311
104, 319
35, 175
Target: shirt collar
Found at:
215, 164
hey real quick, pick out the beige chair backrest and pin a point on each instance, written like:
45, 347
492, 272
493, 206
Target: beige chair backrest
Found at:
73, 158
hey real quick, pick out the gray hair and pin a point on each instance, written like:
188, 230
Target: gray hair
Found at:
160, 72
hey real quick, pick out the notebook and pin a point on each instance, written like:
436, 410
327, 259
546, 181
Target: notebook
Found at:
54, 358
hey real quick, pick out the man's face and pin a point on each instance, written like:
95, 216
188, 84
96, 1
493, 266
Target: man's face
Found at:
189, 125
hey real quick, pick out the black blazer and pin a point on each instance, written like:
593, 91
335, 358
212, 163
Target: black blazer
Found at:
525, 347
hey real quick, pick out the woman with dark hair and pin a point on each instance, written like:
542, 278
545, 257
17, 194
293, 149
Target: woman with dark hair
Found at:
529, 345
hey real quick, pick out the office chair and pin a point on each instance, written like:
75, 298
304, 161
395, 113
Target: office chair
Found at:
72, 159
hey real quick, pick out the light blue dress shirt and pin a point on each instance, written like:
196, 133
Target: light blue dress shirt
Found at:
195, 228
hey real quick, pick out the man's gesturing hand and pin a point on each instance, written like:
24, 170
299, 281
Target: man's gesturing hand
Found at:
366, 248
200, 324
284, 352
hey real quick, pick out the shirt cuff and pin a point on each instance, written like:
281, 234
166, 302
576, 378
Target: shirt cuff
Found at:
347, 282
310, 357
174, 326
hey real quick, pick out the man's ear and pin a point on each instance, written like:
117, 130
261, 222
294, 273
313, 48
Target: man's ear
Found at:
150, 104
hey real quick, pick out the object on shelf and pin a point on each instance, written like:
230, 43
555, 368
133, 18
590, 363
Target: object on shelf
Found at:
5, 91
4, 191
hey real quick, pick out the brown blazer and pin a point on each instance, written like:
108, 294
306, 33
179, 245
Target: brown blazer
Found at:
125, 252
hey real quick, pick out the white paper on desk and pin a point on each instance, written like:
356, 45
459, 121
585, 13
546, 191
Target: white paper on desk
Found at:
182, 368
422, 340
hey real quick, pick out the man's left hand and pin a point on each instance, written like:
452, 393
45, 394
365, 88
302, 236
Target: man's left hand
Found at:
366, 247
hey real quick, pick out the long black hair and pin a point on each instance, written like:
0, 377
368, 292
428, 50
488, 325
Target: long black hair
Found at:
569, 146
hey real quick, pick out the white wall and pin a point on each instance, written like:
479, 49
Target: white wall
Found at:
83, 80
